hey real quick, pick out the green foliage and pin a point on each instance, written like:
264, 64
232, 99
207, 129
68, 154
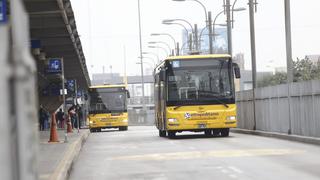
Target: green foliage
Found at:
272, 80
303, 70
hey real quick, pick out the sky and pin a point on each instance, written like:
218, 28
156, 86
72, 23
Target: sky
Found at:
109, 30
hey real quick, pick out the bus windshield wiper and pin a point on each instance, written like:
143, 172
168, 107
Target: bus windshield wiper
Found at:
217, 99
177, 107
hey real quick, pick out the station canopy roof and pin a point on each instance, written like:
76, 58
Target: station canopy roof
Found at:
52, 22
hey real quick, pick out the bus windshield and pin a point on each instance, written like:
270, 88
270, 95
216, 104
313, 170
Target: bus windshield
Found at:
107, 100
199, 81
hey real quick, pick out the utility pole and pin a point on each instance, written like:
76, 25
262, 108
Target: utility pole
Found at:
229, 28
288, 41
64, 101
76, 98
289, 56
210, 32
196, 42
178, 49
190, 43
253, 57
141, 58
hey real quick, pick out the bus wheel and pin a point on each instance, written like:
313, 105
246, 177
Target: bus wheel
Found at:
171, 134
216, 132
91, 130
208, 132
123, 128
225, 132
162, 133
99, 130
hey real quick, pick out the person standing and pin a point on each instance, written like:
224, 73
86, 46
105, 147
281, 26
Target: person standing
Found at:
41, 118
60, 118
72, 114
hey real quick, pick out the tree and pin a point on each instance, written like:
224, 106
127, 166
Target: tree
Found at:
303, 70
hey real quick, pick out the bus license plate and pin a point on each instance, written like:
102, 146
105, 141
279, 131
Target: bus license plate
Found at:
201, 126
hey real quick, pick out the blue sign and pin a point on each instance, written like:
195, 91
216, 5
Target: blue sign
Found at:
79, 94
35, 44
54, 66
71, 85
3, 11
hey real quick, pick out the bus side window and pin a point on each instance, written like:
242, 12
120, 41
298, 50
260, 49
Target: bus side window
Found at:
236, 70
128, 94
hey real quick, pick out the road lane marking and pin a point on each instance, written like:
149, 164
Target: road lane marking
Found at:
235, 169
208, 154
233, 176
225, 171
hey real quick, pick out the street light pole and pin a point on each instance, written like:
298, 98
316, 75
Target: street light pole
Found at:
141, 58
164, 49
253, 59
288, 41
196, 42
161, 42
152, 54
166, 34
203, 6
228, 10
214, 22
210, 33
64, 100
289, 57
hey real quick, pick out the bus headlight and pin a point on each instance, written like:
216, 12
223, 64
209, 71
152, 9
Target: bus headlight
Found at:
91, 122
231, 118
172, 120
125, 120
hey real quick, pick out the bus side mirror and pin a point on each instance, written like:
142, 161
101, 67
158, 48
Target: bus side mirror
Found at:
128, 94
162, 75
236, 70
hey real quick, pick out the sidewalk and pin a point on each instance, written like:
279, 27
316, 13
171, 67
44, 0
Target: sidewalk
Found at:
55, 159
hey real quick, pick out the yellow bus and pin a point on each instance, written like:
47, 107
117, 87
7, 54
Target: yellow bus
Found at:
108, 107
195, 93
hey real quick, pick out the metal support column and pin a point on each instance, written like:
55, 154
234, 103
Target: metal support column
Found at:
141, 58
196, 42
289, 56
64, 101
210, 33
229, 28
253, 58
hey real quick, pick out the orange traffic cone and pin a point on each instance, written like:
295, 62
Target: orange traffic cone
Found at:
53, 131
69, 127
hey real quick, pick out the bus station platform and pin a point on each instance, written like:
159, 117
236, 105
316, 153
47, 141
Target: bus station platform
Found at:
55, 159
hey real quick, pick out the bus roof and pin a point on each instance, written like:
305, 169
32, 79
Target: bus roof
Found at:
204, 56
109, 86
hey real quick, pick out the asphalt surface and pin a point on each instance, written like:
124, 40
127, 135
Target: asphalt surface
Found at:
141, 154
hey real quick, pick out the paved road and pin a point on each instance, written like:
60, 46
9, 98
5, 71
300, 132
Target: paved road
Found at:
140, 154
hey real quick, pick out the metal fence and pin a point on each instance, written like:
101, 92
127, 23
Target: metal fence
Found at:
276, 111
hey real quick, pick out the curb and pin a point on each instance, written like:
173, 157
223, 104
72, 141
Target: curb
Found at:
64, 167
303, 139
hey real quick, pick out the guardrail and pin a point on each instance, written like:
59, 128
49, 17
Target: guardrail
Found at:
291, 109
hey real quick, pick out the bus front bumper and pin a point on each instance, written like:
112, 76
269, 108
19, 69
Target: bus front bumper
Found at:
198, 126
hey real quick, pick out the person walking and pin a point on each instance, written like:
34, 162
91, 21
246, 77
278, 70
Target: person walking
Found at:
72, 114
42, 117
60, 118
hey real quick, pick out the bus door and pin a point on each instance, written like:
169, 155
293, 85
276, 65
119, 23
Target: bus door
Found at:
162, 99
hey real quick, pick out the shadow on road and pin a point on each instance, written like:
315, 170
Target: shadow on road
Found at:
196, 136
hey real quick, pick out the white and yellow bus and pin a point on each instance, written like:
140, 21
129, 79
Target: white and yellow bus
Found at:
108, 107
195, 93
